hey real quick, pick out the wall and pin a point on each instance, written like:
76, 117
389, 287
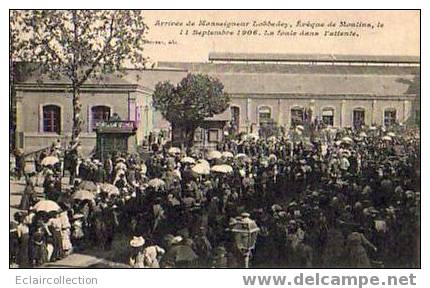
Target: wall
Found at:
33, 101
343, 108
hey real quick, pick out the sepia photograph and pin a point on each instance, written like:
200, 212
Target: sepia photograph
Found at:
215, 139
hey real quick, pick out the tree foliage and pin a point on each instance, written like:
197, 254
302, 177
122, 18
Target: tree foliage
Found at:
77, 44
187, 104
195, 98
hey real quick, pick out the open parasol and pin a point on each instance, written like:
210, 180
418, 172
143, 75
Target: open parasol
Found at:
273, 158
50, 160
387, 138
109, 188
83, 195
203, 162
201, 169
88, 185
181, 253
214, 155
173, 151
156, 183
347, 140
47, 206
120, 165
188, 160
227, 154
241, 155
222, 169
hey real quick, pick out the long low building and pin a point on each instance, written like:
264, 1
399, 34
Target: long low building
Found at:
341, 90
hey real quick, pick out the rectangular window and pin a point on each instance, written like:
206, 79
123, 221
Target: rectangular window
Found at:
327, 117
213, 135
98, 115
297, 117
358, 118
198, 137
389, 117
51, 119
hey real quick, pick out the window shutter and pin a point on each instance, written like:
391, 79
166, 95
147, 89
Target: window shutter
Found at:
40, 122
89, 120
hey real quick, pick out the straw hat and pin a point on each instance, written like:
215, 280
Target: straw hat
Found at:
137, 241
78, 216
176, 240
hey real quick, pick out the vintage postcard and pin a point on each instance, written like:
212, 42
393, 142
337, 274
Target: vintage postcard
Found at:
215, 139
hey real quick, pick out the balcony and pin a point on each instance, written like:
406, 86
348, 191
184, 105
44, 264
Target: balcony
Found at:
116, 126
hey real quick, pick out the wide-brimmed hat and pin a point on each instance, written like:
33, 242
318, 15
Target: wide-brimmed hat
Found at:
78, 216
276, 207
137, 241
176, 239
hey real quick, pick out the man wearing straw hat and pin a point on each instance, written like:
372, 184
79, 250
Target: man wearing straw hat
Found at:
137, 258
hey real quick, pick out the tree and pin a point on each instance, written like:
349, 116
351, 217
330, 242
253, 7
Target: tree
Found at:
78, 45
187, 104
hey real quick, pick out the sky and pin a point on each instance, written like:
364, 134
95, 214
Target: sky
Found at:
400, 34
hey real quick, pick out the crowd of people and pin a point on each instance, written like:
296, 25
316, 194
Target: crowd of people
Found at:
335, 198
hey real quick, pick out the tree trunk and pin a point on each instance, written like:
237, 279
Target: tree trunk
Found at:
189, 136
77, 118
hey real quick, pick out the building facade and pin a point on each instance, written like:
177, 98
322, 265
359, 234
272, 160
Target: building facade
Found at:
341, 91
44, 110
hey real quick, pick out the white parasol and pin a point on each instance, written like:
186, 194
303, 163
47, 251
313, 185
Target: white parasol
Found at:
88, 185
222, 169
50, 160
203, 162
109, 188
227, 154
83, 195
347, 140
174, 150
47, 206
201, 169
188, 160
214, 155
156, 183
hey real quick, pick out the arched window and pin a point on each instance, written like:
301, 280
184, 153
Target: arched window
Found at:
358, 118
52, 119
235, 116
99, 114
328, 116
297, 116
264, 114
390, 116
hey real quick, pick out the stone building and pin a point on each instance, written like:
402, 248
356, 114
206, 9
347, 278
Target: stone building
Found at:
340, 90
44, 109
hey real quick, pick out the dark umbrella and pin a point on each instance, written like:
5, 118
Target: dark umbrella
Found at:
181, 253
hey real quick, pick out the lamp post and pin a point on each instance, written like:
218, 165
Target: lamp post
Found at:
245, 232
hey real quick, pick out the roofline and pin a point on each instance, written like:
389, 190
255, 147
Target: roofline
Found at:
66, 87
280, 57
159, 68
